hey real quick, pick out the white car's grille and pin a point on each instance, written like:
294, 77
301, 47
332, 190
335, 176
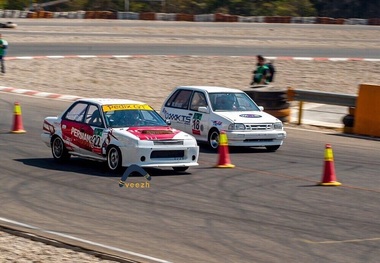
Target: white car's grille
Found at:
167, 154
259, 127
258, 140
171, 142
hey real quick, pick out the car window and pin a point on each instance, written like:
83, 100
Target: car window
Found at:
180, 99
198, 100
232, 102
151, 118
244, 102
127, 118
76, 112
93, 116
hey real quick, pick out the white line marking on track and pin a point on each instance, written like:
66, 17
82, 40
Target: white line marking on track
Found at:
341, 241
55, 56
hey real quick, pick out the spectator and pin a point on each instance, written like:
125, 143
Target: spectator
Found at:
3, 47
261, 75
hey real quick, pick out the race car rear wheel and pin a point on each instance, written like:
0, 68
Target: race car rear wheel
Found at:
213, 139
59, 150
114, 158
180, 169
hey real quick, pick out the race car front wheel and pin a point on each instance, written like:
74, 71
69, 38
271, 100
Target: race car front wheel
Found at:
213, 139
59, 150
114, 158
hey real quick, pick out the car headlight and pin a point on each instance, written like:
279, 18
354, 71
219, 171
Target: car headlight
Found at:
277, 126
236, 126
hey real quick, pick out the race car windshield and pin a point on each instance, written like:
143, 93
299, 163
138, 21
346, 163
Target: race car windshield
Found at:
135, 118
232, 102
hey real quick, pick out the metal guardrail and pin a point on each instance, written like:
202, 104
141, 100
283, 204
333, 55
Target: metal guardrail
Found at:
330, 98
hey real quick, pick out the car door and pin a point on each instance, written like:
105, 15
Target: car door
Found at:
72, 126
94, 131
176, 109
82, 129
200, 116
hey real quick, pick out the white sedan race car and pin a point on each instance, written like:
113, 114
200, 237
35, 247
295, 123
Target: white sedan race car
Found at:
205, 111
119, 132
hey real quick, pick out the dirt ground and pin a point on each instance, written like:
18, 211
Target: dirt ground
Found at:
151, 78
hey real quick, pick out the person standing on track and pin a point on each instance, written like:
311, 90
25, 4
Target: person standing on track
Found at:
3, 49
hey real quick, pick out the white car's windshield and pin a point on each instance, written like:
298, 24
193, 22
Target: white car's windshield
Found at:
232, 102
128, 118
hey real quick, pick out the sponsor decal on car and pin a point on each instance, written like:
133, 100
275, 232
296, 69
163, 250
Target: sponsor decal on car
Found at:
177, 117
250, 115
216, 123
83, 137
114, 107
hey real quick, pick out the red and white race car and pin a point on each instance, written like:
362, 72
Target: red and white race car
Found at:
120, 132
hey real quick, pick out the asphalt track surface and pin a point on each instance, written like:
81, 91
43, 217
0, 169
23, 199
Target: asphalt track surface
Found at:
25, 49
266, 209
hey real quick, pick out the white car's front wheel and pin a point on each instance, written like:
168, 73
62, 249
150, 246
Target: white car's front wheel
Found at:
213, 138
114, 158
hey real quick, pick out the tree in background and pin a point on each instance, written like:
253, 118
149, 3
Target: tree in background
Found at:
348, 8
16, 4
283, 8
103, 5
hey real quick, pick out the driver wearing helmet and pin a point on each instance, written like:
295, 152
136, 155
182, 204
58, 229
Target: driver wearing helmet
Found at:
227, 102
132, 117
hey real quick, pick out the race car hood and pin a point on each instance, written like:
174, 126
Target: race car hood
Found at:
152, 133
248, 116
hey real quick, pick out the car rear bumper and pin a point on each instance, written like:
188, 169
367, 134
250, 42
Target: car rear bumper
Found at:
46, 138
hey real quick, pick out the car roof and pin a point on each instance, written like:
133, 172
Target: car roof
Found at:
107, 101
210, 89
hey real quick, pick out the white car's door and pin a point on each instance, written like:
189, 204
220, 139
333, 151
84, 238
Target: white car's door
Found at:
200, 116
176, 109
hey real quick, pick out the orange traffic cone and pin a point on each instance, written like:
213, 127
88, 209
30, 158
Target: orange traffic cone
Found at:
329, 177
224, 155
17, 123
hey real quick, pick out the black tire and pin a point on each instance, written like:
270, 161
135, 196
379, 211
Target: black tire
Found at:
114, 159
213, 139
272, 148
180, 169
281, 96
349, 120
58, 150
275, 105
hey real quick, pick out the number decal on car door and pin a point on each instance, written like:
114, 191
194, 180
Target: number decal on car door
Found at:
196, 124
